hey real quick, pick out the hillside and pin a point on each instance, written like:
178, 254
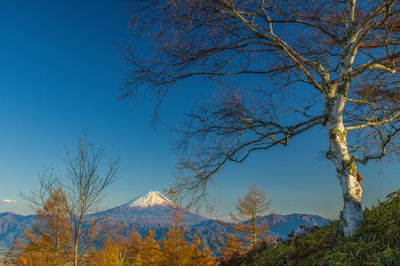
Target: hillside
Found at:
12, 227
377, 242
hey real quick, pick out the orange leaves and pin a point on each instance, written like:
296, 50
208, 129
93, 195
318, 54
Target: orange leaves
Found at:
49, 241
119, 248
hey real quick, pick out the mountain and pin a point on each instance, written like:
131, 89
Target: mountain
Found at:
12, 226
154, 211
151, 208
151, 199
282, 225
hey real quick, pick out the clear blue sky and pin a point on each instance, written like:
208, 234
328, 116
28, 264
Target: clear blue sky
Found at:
60, 73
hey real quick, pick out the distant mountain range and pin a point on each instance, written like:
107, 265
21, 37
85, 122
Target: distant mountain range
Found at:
154, 211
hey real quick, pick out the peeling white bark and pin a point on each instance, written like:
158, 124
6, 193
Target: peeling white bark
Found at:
335, 99
351, 215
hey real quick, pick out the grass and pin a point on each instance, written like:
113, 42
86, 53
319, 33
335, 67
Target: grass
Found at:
377, 242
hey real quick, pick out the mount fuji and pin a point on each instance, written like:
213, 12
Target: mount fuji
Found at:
151, 208
151, 199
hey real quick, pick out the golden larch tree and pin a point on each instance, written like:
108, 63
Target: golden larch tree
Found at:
247, 222
49, 241
130, 248
230, 248
149, 253
175, 248
200, 255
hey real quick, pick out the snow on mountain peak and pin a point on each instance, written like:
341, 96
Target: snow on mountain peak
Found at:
152, 198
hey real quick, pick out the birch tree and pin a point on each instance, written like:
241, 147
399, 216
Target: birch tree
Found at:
318, 63
88, 175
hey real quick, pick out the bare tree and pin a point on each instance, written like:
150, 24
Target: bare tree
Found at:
75, 196
87, 178
333, 63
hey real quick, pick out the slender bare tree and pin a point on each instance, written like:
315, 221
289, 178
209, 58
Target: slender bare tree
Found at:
87, 178
333, 63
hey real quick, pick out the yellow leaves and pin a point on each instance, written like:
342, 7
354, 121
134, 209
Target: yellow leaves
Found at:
231, 247
49, 241
119, 249
110, 254
200, 255
149, 253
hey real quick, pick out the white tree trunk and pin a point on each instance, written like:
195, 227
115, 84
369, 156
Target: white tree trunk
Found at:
351, 215
335, 99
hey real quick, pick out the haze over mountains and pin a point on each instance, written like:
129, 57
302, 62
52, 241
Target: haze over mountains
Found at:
154, 211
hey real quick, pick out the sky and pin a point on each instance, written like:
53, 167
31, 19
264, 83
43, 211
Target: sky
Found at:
60, 77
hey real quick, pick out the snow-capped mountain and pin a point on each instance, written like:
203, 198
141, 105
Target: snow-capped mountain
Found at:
152, 208
152, 198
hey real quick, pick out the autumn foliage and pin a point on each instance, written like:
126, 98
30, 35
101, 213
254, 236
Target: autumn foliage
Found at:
174, 249
48, 243
45, 247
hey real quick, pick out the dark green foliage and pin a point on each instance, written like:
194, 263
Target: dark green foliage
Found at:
377, 242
